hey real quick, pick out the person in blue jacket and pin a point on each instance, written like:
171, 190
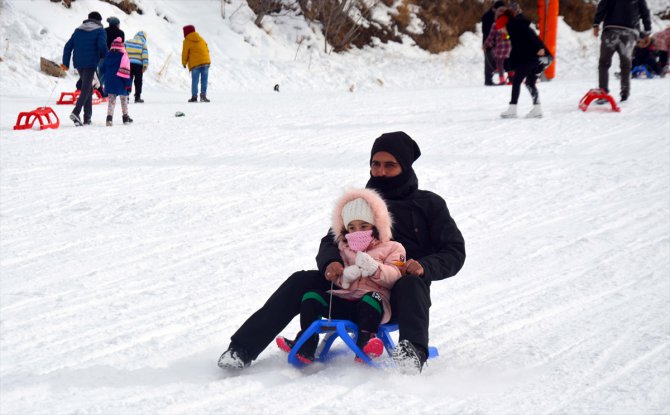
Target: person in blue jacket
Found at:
87, 45
116, 71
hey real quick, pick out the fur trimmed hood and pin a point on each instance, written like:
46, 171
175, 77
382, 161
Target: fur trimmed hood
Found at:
382, 217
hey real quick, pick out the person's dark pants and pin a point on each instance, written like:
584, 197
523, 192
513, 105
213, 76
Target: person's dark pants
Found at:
283, 305
621, 41
85, 100
410, 302
662, 59
489, 66
101, 77
136, 78
527, 71
366, 313
410, 305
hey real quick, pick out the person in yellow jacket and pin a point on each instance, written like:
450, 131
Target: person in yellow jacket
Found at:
195, 54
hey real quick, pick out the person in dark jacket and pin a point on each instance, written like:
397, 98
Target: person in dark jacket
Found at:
112, 31
524, 60
488, 19
87, 45
422, 224
620, 19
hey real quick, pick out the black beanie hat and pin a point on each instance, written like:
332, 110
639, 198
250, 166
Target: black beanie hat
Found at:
95, 16
400, 145
498, 4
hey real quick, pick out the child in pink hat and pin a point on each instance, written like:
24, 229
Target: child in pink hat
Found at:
117, 80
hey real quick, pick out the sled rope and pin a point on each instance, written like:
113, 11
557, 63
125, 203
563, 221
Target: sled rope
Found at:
330, 303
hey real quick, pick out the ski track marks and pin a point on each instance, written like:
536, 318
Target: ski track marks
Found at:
130, 258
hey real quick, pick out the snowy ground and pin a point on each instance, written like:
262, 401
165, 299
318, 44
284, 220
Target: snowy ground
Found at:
129, 255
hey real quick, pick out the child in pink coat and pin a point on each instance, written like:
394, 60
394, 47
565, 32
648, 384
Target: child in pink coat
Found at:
361, 225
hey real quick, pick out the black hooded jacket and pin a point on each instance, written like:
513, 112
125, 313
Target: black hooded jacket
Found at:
421, 223
112, 33
525, 42
625, 14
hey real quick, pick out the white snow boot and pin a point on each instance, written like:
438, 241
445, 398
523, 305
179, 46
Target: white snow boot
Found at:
510, 112
536, 112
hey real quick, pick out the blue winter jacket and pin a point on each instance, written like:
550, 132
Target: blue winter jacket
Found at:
89, 43
114, 84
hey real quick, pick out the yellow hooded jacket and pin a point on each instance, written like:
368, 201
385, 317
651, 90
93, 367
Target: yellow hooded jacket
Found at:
194, 51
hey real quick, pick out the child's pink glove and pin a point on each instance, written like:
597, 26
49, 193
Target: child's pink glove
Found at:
367, 264
349, 275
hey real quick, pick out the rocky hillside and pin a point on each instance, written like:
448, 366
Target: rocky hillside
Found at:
434, 25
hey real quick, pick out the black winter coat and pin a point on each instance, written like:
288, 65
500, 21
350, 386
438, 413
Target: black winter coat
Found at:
112, 33
487, 21
623, 13
423, 225
525, 42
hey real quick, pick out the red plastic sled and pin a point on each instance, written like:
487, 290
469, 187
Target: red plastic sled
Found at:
594, 94
71, 97
44, 115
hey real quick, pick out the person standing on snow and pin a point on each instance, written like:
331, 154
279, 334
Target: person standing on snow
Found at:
620, 19
488, 19
528, 59
361, 226
117, 80
139, 61
195, 54
422, 224
498, 42
86, 46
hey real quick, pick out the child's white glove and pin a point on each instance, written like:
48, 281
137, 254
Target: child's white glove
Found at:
367, 264
349, 275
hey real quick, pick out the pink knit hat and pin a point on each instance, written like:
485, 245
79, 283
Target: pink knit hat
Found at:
118, 44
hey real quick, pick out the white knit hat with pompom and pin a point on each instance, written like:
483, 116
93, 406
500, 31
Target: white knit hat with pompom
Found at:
357, 209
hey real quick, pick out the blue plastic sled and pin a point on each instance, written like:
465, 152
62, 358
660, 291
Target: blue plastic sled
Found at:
641, 70
341, 329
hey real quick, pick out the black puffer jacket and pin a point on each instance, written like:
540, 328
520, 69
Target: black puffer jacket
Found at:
423, 225
525, 42
112, 33
623, 14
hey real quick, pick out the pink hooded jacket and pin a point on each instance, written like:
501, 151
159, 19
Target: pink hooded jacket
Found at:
385, 251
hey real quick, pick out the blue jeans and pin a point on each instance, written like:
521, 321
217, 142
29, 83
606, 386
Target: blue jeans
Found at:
201, 72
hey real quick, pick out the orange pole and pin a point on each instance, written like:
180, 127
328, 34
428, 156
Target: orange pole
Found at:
548, 12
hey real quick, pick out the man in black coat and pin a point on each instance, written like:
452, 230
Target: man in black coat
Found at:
422, 224
620, 19
489, 60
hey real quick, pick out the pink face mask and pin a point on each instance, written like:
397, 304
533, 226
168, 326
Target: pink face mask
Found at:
359, 241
